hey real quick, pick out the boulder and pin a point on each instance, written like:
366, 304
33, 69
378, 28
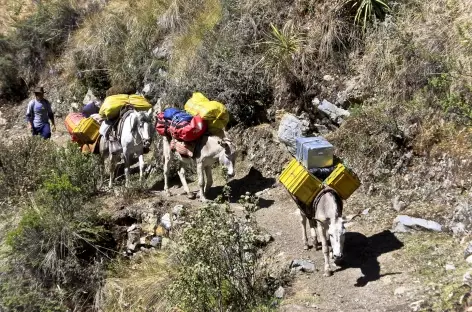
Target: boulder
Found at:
163, 51
302, 265
134, 236
403, 224
417, 305
3, 121
397, 204
290, 128
147, 88
89, 97
468, 251
458, 228
177, 210
400, 291
351, 94
156, 241
335, 113
279, 293
328, 78
166, 221
467, 278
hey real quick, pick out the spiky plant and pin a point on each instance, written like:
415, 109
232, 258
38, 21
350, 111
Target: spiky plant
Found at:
367, 9
282, 45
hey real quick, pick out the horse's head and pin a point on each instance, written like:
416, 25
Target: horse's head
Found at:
143, 124
336, 232
228, 156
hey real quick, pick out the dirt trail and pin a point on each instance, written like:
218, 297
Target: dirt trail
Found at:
369, 281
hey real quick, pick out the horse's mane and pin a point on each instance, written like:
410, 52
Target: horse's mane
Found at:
337, 199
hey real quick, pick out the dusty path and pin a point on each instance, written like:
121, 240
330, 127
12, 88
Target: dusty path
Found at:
351, 289
369, 281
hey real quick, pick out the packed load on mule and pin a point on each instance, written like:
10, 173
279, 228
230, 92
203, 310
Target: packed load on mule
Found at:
114, 110
315, 167
185, 127
82, 130
103, 121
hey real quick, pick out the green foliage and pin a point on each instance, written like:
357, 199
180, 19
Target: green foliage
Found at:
23, 165
217, 266
60, 244
11, 86
116, 45
226, 67
17, 294
136, 285
31, 160
453, 102
368, 9
282, 46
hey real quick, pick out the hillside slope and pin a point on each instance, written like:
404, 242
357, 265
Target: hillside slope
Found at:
403, 72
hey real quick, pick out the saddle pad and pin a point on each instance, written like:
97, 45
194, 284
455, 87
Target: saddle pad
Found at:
121, 123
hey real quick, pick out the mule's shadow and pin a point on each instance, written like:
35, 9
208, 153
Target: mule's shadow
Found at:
253, 182
362, 252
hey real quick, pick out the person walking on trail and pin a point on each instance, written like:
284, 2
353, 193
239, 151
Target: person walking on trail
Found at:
38, 114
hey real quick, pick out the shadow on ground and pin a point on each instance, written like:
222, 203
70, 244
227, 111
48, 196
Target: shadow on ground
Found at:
362, 252
253, 182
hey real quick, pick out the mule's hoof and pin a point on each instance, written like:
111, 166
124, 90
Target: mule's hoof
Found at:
327, 274
191, 196
306, 247
168, 194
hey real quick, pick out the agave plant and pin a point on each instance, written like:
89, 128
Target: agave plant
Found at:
366, 9
282, 45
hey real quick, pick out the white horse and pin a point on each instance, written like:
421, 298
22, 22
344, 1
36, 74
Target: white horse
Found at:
208, 151
135, 136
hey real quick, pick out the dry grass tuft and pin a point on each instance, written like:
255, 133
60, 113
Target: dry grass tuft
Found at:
136, 286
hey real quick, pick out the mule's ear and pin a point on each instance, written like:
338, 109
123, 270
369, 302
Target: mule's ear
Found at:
350, 218
150, 111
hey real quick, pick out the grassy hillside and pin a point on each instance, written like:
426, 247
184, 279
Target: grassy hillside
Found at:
403, 69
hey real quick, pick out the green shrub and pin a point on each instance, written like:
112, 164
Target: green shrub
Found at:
23, 165
61, 242
225, 67
369, 9
217, 266
58, 249
30, 161
140, 289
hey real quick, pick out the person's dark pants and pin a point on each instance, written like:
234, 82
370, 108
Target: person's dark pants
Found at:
44, 131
